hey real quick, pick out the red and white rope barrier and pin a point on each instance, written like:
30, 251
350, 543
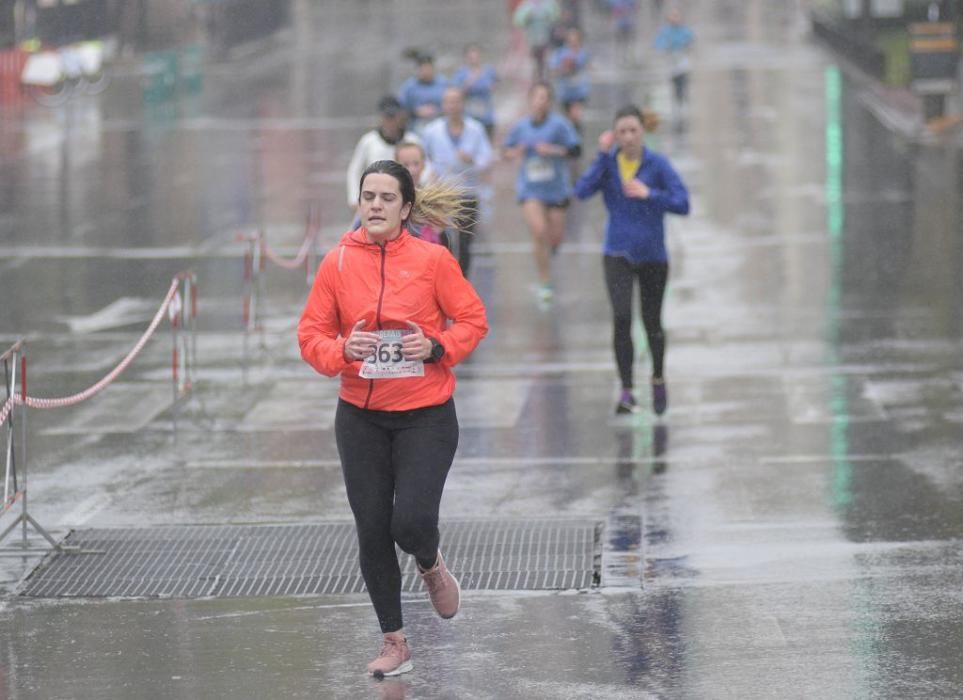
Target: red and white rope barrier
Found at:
298, 260
8, 406
175, 309
181, 314
312, 229
259, 250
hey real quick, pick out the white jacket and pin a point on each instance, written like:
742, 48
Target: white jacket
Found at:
371, 147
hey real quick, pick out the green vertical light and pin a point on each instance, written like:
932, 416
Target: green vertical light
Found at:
841, 479
840, 487
835, 211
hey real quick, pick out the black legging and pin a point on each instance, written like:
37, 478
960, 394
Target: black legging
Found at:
395, 464
680, 86
620, 276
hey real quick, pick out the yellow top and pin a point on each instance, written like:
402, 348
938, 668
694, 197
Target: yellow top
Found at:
628, 167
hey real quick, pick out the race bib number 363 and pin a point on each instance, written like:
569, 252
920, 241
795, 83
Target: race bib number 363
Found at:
387, 361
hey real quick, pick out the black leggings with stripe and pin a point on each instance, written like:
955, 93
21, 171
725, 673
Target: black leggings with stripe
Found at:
395, 464
620, 277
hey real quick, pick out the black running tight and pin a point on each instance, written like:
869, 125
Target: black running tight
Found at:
620, 277
395, 464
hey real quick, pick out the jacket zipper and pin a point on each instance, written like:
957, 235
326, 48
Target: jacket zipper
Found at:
381, 298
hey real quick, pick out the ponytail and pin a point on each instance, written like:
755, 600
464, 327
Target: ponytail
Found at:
440, 203
650, 120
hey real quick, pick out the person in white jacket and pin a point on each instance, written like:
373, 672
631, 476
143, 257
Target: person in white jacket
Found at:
378, 144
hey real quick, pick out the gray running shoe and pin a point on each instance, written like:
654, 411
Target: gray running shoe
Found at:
660, 397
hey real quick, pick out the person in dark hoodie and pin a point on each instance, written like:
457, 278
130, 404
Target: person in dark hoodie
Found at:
639, 187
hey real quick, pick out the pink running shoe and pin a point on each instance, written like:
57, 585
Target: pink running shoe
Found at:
394, 659
443, 588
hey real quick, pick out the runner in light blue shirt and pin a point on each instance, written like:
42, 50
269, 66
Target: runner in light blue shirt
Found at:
543, 142
675, 40
458, 149
536, 18
421, 94
569, 66
477, 80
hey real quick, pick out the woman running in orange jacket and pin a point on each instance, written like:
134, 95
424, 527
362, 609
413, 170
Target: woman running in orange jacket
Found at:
392, 314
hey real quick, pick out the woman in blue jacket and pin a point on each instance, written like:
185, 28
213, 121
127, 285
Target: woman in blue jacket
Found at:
639, 186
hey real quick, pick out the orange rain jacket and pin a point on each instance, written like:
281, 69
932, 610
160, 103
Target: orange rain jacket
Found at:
406, 279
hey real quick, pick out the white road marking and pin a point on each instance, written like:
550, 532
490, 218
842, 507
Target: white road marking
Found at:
465, 462
124, 311
84, 511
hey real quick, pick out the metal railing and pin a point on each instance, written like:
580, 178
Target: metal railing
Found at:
259, 251
179, 304
846, 39
14, 420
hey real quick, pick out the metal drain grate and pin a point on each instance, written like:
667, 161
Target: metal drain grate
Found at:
275, 560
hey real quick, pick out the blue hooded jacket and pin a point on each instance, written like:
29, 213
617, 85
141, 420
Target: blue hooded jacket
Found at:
635, 229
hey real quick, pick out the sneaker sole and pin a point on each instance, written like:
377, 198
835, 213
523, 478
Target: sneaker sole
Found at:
406, 667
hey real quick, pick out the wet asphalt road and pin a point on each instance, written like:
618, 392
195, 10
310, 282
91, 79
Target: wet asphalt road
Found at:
798, 509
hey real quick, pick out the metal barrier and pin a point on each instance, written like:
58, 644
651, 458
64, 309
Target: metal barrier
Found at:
253, 267
182, 312
258, 251
15, 483
844, 38
180, 304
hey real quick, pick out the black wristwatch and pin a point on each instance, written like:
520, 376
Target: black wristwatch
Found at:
437, 351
